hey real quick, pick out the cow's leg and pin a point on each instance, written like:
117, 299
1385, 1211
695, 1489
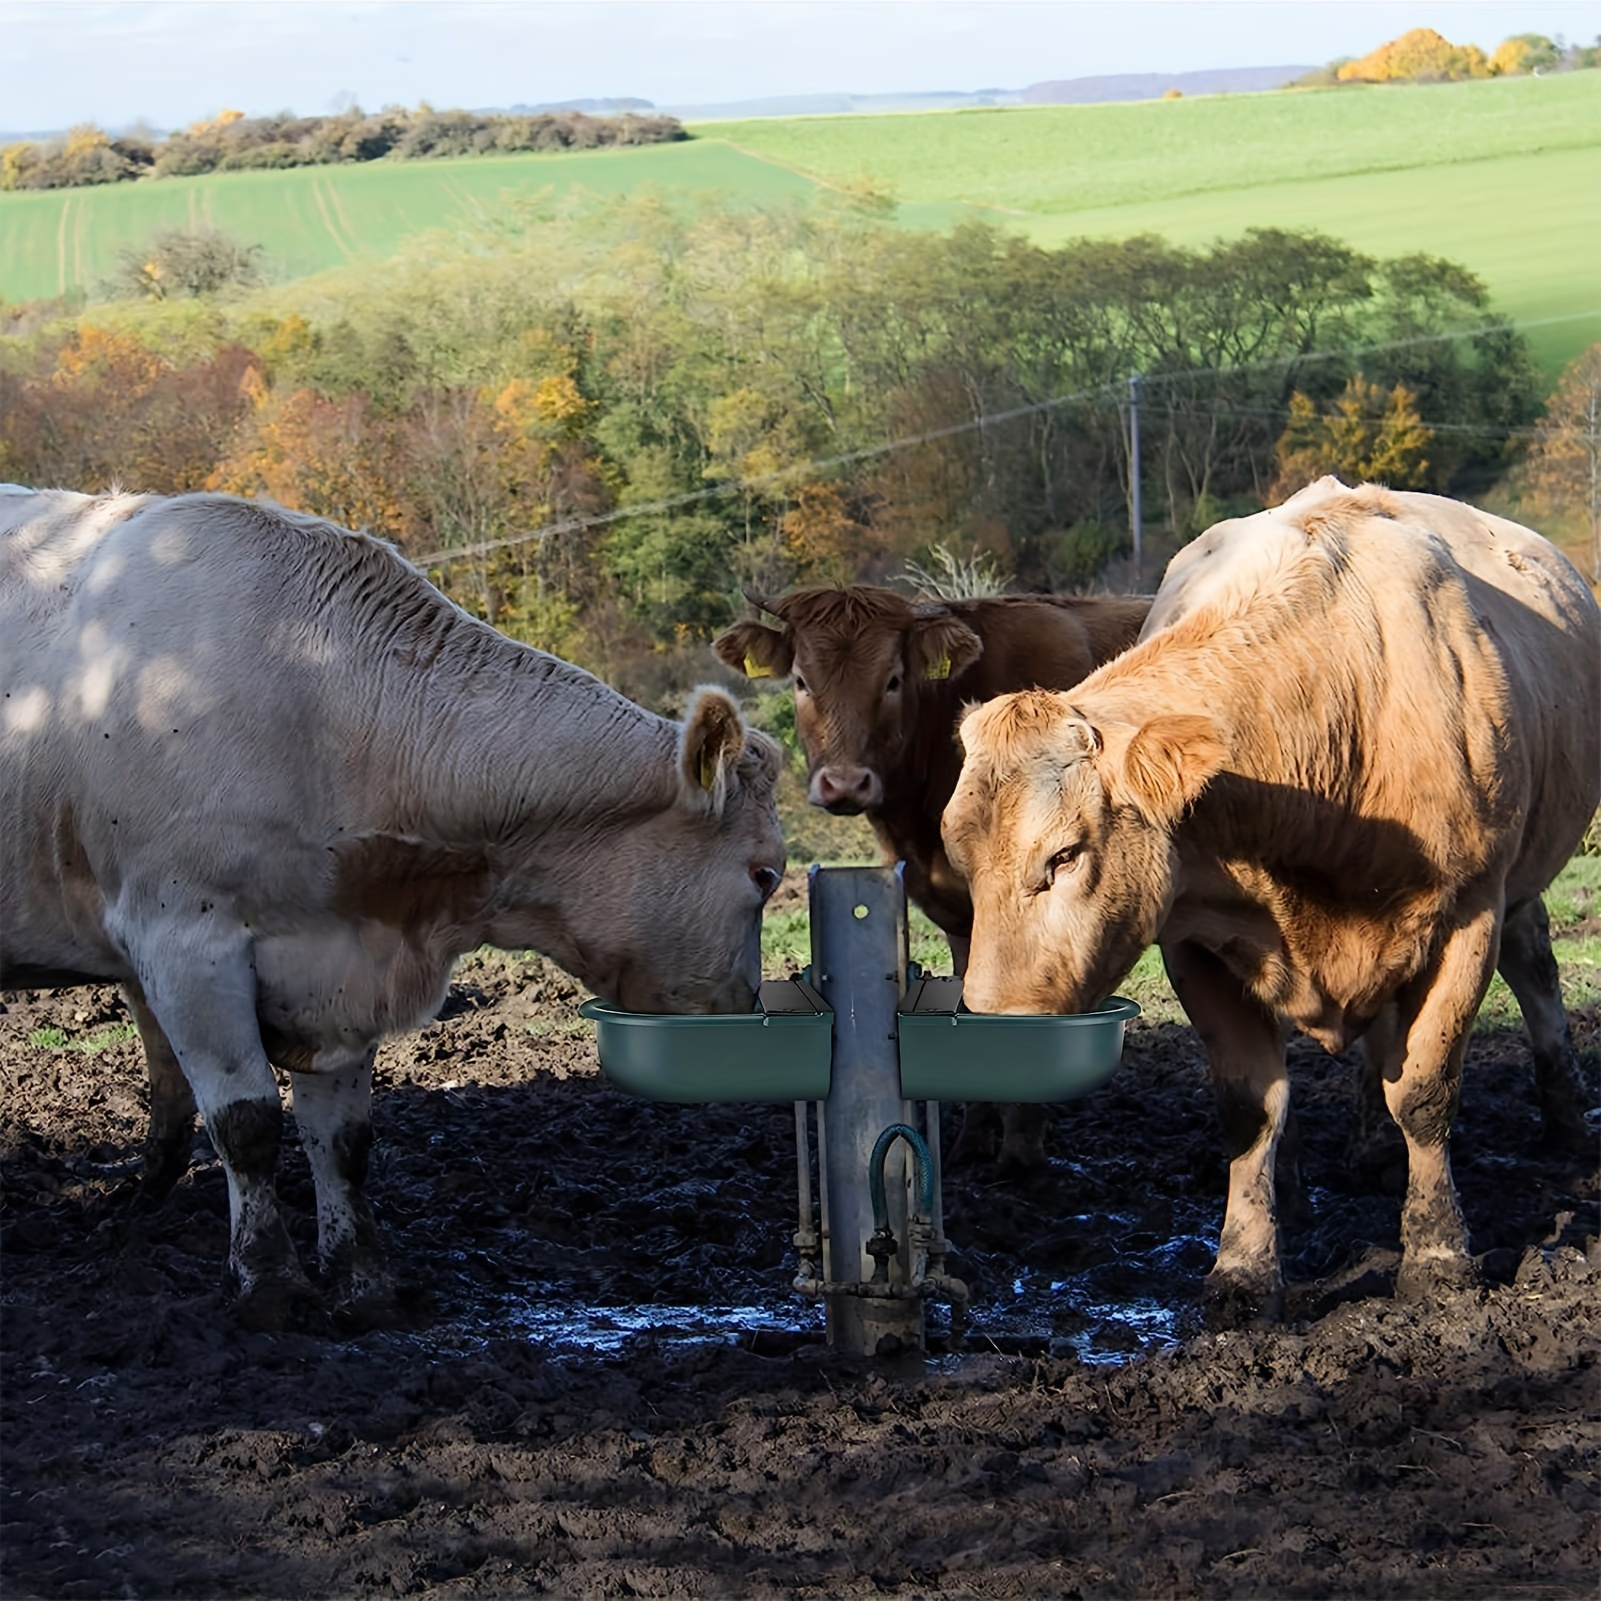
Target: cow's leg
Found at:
1373, 1121
977, 1137
333, 1107
199, 984
1530, 970
1422, 1072
172, 1104
1022, 1138
1245, 1047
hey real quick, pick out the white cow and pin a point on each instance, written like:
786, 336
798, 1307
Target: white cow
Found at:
258, 771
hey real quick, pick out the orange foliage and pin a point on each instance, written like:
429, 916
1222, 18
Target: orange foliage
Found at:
1368, 435
1420, 56
97, 357
104, 410
822, 538
327, 457
217, 123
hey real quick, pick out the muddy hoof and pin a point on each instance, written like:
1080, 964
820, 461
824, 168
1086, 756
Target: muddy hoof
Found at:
1566, 1137
275, 1303
1022, 1167
1236, 1302
1434, 1278
371, 1309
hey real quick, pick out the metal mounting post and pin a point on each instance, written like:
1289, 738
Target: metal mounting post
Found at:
859, 953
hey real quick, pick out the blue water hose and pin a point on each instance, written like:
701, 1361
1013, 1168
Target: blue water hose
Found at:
875, 1173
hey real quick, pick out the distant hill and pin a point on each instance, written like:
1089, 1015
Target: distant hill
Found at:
590, 108
1057, 92
824, 105
1153, 85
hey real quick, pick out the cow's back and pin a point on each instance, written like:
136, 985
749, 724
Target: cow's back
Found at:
142, 630
1460, 654
174, 680
1515, 606
1045, 641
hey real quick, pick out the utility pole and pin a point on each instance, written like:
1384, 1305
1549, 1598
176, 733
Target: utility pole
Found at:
1136, 528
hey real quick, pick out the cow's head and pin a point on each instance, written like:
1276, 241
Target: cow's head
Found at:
861, 660
1063, 828
692, 879
648, 881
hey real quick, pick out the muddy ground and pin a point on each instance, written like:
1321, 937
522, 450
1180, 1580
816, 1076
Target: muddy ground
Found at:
608, 1390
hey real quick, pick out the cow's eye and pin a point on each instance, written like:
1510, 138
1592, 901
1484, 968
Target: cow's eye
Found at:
766, 879
800, 684
893, 687
1062, 863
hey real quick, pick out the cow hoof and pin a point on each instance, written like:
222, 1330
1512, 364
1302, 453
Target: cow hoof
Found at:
1435, 1277
1023, 1167
1236, 1302
275, 1302
1565, 1136
373, 1308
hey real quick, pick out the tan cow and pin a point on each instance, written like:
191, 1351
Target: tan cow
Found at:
879, 681
1360, 735
258, 771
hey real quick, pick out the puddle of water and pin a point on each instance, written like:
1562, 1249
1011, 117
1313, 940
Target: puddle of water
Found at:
1112, 1311
606, 1329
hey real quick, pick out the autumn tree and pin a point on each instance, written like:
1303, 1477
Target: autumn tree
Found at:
1418, 56
824, 540
1524, 53
329, 457
1368, 435
1564, 463
101, 408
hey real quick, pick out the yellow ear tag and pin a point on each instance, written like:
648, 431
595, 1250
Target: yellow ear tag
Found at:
754, 669
708, 772
941, 668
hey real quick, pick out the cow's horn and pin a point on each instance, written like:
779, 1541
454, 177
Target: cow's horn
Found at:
762, 603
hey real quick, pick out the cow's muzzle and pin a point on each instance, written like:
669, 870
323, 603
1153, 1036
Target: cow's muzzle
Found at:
845, 791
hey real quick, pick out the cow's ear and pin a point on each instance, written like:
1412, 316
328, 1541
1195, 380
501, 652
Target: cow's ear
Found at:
941, 646
756, 650
1168, 762
710, 747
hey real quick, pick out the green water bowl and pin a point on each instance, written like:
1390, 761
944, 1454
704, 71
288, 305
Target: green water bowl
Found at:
951, 1054
783, 1051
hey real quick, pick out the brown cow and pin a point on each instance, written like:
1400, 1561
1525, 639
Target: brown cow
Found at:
879, 682
1358, 738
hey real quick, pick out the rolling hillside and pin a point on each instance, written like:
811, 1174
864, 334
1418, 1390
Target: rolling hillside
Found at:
1503, 175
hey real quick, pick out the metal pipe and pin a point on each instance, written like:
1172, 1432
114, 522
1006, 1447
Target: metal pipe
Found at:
806, 1242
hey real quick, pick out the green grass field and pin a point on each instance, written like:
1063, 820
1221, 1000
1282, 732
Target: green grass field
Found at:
1503, 176
318, 217
1054, 160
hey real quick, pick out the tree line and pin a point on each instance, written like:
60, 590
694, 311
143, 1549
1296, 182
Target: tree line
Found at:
233, 142
597, 426
1423, 56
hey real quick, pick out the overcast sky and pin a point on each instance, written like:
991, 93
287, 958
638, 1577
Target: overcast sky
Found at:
170, 62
